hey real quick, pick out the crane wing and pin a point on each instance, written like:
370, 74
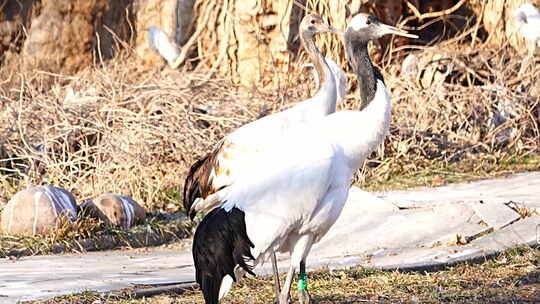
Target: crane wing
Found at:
212, 173
282, 188
220, 167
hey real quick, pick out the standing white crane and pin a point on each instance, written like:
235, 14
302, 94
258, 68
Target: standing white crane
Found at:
225, 162
288, 196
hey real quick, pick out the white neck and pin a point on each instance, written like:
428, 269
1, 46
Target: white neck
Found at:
358, 133
326, 96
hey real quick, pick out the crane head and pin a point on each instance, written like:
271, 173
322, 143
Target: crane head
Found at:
314, 24
367, 27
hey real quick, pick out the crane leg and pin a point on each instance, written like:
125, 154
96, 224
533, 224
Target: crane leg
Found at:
303, 294
298, 256
285, 292
277, 287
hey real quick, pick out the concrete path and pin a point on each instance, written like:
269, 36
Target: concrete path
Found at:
417, 229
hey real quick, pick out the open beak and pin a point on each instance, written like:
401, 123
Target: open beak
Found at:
387, 29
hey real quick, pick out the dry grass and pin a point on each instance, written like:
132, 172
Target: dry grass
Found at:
512, 277
92, 235
115, 129
478, 115
467, 113
118, 129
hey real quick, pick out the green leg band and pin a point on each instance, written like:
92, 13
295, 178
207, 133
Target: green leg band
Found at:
302, 281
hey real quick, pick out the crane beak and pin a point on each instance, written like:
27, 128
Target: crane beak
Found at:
332, 29
388, 30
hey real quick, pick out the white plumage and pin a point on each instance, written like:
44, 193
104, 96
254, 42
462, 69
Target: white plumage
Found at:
339, 75
229, 158
289, 195
306, 184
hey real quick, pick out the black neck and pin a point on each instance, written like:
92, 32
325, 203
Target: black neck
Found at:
366, 73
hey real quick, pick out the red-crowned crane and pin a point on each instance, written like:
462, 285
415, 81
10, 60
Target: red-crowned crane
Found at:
289, 195
219, 168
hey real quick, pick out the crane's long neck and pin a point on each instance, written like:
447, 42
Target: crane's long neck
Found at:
360, 132
364, 69
326, 91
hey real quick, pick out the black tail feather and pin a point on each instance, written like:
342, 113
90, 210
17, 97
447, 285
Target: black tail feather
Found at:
192, 185
198, 183
219, 245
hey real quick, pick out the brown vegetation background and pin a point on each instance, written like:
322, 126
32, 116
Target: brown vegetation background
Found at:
86, 105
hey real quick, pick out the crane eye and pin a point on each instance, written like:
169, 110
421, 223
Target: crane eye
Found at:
312, 21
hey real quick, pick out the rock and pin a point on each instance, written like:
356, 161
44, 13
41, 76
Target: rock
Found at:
115, 209
38, 210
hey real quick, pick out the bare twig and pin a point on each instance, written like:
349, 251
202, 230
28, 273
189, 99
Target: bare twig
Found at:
193, 39
435, 14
